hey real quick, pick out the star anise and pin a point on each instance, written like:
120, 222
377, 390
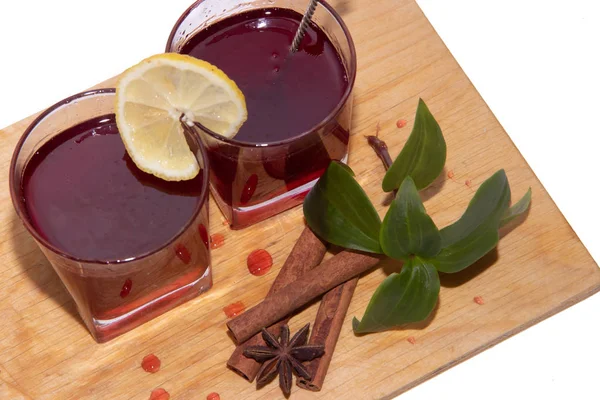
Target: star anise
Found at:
282, 356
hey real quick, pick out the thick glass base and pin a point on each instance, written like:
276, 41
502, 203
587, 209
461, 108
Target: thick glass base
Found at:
241, 217
104, 330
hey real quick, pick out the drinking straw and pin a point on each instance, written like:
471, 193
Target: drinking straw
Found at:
303, 24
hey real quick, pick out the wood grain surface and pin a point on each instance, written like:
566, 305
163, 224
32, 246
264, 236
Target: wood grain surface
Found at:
540, 267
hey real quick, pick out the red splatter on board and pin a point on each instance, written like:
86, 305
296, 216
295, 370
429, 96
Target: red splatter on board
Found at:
234, 309
126, 289
412, 340
450, 174
183, 253
225, 222
203, 234
213, 396
151, 363
468, 183
478, 300
217, 240
259, 262
401, 123
249, 188
160, 394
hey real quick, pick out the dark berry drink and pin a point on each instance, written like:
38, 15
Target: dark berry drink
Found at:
297, 120
84, 196
284, 97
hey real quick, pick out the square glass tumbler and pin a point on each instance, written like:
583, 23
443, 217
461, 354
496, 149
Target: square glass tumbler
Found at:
252, 180
151, 274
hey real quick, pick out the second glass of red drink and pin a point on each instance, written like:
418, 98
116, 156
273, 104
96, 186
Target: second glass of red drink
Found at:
128, 246
299, 105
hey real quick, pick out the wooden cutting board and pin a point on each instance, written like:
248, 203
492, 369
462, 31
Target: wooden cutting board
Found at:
540, 267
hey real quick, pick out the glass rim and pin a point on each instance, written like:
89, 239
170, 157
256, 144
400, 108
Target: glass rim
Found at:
19, 200
316, 127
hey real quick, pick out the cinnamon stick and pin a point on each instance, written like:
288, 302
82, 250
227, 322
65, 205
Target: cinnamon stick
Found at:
329, 274
326, 331
334, 304
308, 252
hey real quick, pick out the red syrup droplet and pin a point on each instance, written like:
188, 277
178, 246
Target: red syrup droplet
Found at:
126, 288
468, 183
213, 396
412, 340
450, 174
183, 253
151, 363
217, 240
401, 123
249, 188
234, 309
160, 394
203, 234
259, 262
479, 300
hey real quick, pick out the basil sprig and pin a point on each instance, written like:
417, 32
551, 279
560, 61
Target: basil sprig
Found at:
339, 211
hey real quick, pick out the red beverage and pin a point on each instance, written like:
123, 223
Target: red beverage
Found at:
298, 113
85, 195
127, 245
284, 97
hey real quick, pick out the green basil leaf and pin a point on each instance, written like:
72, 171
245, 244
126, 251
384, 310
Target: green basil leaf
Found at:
423, 156
517, 209
409, 296
465, 252
407, 229
476, 232
346, 167
338, 210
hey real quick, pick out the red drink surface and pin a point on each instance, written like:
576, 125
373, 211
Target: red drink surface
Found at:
284, 97
86, 197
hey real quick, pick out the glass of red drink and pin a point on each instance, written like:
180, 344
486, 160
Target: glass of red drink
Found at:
299, 105
127, 245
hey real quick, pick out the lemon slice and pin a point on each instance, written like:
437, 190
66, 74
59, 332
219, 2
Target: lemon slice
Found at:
160, 93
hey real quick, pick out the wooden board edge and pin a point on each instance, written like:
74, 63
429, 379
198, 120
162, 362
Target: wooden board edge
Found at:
559, 308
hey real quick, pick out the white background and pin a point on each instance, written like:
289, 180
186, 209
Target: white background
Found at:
535, 62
